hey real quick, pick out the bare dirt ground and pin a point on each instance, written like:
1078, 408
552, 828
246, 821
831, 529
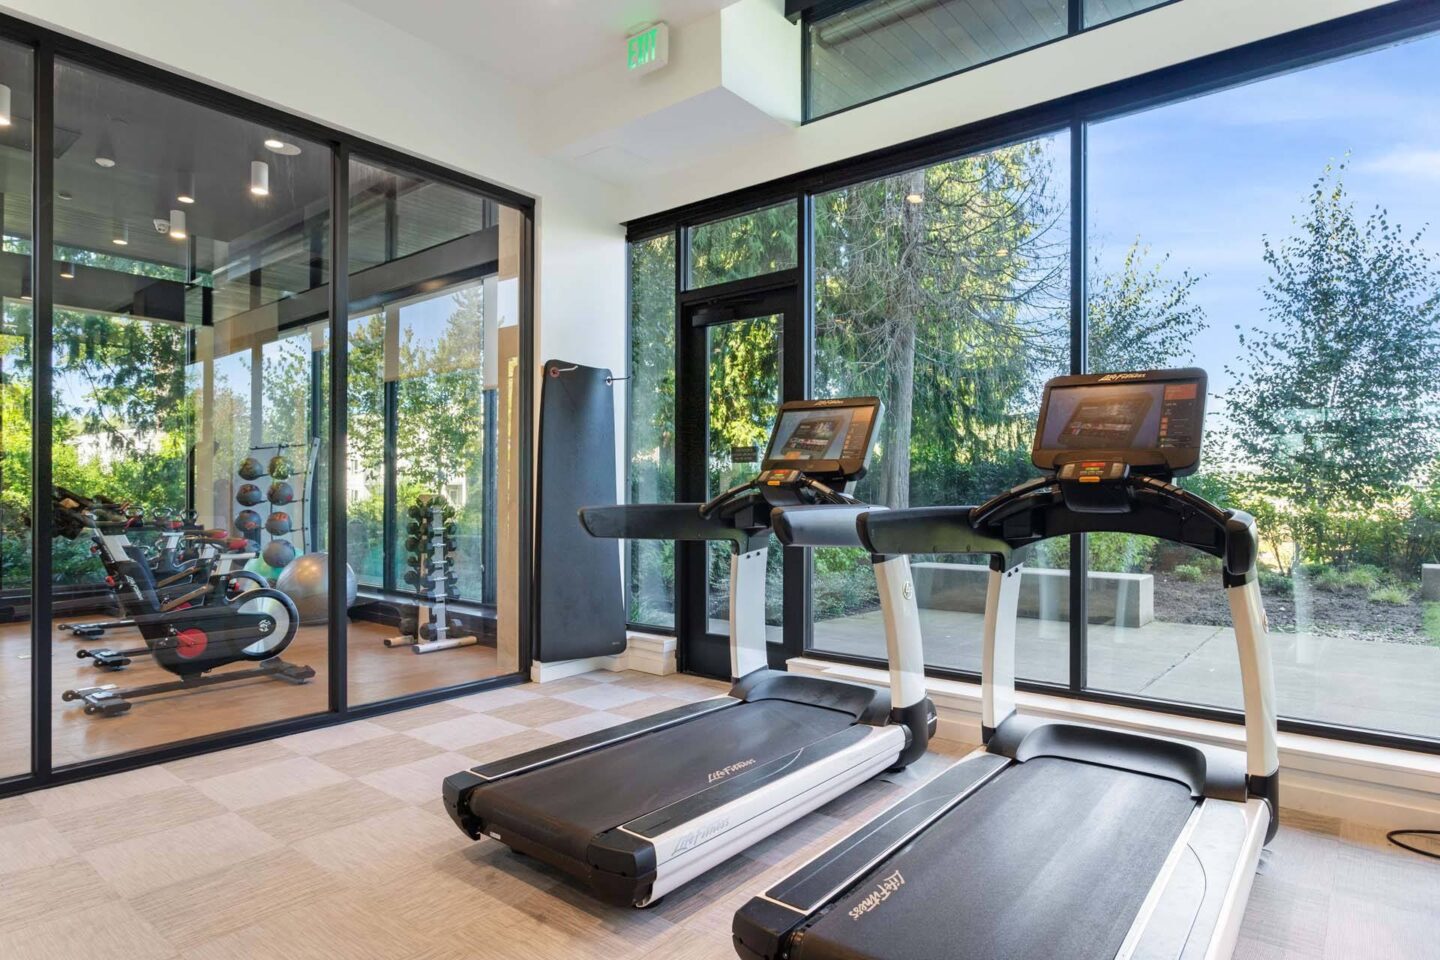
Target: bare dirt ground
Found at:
1348, 613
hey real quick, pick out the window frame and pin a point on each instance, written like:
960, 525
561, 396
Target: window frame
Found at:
1331, 40
1074, 27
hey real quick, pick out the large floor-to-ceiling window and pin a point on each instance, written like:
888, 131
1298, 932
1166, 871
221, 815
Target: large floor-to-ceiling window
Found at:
1280, 236
1275, 233
944, 291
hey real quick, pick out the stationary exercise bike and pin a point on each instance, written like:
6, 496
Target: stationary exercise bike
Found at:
185, 556
190, 634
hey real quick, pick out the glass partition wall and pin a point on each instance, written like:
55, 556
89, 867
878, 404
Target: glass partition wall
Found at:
17, 372
434, 292
170, 575
1274, 233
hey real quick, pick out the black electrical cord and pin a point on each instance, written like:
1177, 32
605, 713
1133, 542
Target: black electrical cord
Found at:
1394, 834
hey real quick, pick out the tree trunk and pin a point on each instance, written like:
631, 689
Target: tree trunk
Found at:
895, 487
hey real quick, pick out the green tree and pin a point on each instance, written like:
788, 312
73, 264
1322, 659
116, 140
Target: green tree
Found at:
1336, 406
1139, 318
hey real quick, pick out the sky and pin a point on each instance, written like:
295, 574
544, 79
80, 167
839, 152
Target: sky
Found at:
1206, 180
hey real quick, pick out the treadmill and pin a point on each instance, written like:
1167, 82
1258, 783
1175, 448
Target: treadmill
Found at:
637, 809
1060, 839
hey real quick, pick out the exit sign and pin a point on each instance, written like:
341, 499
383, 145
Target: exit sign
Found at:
648, 50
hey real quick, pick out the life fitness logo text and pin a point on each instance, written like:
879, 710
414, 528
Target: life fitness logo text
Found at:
882, 892
724, 772
1112, 377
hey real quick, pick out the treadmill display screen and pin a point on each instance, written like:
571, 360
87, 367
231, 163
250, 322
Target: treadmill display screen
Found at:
1153, 420
832, 431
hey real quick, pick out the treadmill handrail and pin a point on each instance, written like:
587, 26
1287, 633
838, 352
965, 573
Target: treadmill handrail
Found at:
927, 530
819, 525
1036, 511
665, 521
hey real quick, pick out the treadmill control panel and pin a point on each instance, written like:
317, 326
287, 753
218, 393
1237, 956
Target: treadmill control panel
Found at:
823, 437
1150, 421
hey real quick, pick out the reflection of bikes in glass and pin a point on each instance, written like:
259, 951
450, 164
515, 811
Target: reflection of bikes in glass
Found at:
811, 439
1105, 424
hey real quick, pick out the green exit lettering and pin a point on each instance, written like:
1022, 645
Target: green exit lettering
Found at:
641, 49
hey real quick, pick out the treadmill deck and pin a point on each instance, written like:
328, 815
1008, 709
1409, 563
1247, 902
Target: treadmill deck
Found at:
564, 806
1052, 859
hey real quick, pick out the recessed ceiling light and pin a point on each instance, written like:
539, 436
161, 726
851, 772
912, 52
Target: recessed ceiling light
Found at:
260, 178
65, 195
274, 144
106, 162
282, 147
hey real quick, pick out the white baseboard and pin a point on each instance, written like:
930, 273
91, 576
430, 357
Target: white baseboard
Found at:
644, 652
1377, 786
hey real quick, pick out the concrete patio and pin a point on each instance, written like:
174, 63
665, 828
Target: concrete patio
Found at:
1391, 687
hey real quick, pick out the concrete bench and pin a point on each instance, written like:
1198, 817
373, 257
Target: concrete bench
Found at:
1124, 599
1430, 581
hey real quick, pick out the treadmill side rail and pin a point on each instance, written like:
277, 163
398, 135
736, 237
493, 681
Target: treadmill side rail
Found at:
1194, 910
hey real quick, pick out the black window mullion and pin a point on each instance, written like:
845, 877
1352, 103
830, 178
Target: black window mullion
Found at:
796, 354
1077, 16
42, 211
336, 544
1079, 362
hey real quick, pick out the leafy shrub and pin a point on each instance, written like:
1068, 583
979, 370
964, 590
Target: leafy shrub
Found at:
1363, 575
1392, 594
1189, 572
1330, 580
1276, 583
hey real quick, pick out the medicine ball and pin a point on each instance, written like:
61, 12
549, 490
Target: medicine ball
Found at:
278, 553
249, 495
278, 523
250, 469
281, 493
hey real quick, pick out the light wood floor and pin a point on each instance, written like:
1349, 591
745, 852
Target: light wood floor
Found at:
334, 844
376, 672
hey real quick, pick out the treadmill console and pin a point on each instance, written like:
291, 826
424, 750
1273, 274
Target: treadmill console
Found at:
816, 449
1097, 430
827, 439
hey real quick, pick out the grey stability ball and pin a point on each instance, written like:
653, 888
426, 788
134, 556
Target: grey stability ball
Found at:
305, 580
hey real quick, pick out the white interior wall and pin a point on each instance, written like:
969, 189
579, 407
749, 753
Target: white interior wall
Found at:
332, 63
1154, 39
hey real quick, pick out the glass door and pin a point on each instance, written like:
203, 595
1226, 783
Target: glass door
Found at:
734, 373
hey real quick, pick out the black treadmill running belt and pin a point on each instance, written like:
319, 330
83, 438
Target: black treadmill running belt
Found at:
1052, 859
565, 805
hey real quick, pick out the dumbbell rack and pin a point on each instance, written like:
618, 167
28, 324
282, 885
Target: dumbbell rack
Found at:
432, 628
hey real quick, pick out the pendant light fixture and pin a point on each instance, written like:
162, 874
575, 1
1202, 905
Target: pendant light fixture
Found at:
121, 235
105, 149
67, 269
185, 190
4, 105
260, 178
177, 225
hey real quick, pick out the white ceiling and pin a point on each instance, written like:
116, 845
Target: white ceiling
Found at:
537, 43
